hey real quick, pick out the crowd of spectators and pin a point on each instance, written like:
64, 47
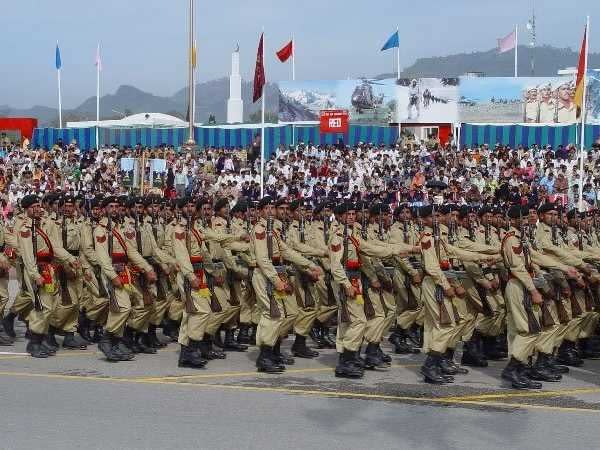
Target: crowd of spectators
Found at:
412, 172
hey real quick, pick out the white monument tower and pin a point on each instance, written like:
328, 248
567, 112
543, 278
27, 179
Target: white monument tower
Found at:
235, 104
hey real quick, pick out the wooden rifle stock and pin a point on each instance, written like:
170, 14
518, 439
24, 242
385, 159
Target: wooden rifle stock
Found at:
37, 301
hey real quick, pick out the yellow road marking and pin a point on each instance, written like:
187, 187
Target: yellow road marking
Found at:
316, 393
508, 395
252, 373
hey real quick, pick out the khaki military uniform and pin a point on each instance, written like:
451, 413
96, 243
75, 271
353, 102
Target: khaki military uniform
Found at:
242, 284
3, 273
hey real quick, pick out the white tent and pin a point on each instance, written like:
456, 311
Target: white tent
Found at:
142, 120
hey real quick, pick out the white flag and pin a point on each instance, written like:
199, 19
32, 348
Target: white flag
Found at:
98, 60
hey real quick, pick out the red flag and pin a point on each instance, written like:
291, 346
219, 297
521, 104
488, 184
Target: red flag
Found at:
581, 71
259, 72
286, 52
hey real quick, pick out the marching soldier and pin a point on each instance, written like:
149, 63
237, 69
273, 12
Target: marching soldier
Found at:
5, 339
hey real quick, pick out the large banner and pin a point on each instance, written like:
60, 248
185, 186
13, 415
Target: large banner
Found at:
517, 100
543, 100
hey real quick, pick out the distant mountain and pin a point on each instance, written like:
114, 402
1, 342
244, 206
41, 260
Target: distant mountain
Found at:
211, 96
548, 60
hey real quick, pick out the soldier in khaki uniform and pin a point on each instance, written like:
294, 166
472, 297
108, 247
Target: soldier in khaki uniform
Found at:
272, 287
65, 317
174, 313
118, 259
347, 253
41, 249
5, 339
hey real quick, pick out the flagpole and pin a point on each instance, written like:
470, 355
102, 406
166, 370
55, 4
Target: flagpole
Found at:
262, 126
516, 50
398, 50
293, 79
194, 86
98, 97
191, 75
59, 102
582, 140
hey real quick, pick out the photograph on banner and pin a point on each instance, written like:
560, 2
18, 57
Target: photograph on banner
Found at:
427, 100
517, 100
593, 97
367, 101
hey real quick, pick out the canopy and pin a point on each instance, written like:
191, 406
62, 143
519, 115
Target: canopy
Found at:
142, 120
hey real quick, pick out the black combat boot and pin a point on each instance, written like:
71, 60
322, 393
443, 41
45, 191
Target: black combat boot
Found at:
8, 323
243, 336
372, 358
316, 336
73, 342
208, 352
449, 357
266, 362
567, 355
512, 374
153, 339
490, 348
541, 372
280, 356
231, 344
555, 366
347, 367
190, 356
128, 340
83, 327
327, 337
35, 347
144, 343
252, 338
301, 350
387, 359
431, 370
5, 339
471, 355
588, 349
50, 339
98, 333
401, 344
396, 335
217, 339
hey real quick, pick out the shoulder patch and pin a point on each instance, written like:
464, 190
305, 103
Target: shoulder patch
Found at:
180, 236
425, 245
25, 233
130, 235
336, 247
260, 236
517, 249
101, 239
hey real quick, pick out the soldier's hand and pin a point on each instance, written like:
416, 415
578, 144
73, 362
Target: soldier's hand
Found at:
565, 291
76, 264
39, 281
375, 284
175, 267
116, 281
315, 273
495, 283
350, 292
280, 285
219, 280
486, 284
165, 268
87, 276
449, 292
245, 237
536, 297
572, 273
417, 279
460, 291
151, 276
195, 283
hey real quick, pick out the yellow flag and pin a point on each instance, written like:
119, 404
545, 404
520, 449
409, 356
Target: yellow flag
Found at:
194, 55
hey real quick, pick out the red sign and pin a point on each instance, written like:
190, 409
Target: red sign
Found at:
334, 121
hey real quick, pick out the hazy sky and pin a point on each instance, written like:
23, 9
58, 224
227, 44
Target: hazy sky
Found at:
144, 41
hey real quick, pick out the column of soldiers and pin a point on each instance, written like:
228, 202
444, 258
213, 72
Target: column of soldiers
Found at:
506, 283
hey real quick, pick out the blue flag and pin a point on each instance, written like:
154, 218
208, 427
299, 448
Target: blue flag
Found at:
58, 61
392, 42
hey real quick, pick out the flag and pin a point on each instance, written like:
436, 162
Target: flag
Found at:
581, 72
58, 61
392, 42
259, 72
507, 43
98, 63
194, 55
286, 51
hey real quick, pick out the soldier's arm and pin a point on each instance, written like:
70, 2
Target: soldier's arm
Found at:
513, 256
563, 255
176, 239
291, 255
103, 258
26, 251
431, 264
301, 248
62, 255
547, 261
87, 245
338, 272
464, 255
136, 259
262, 254
384, 250
477, 247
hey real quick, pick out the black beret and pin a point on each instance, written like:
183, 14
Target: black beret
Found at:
266, 200
184, 201
376, 208
67, 199
148, 200
307, 205
108, 200
239, 207
485, 210
516, 211
221, 203
546, 207
282, 201
571, 214
425, 211
201, 202
295, 205
464, 211
29, 200
445, 209
319, 207
343, 208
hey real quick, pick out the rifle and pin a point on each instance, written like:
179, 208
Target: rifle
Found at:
37, 301
146, 294
187, 287
405, 230
228, 220
301, 227
488, 234
344, 313
155, 226
532, 322
439, 291
112, 298
381, 231
363, 222
62, 276
273, 308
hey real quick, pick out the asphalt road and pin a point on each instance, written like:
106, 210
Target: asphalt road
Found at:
78, 400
